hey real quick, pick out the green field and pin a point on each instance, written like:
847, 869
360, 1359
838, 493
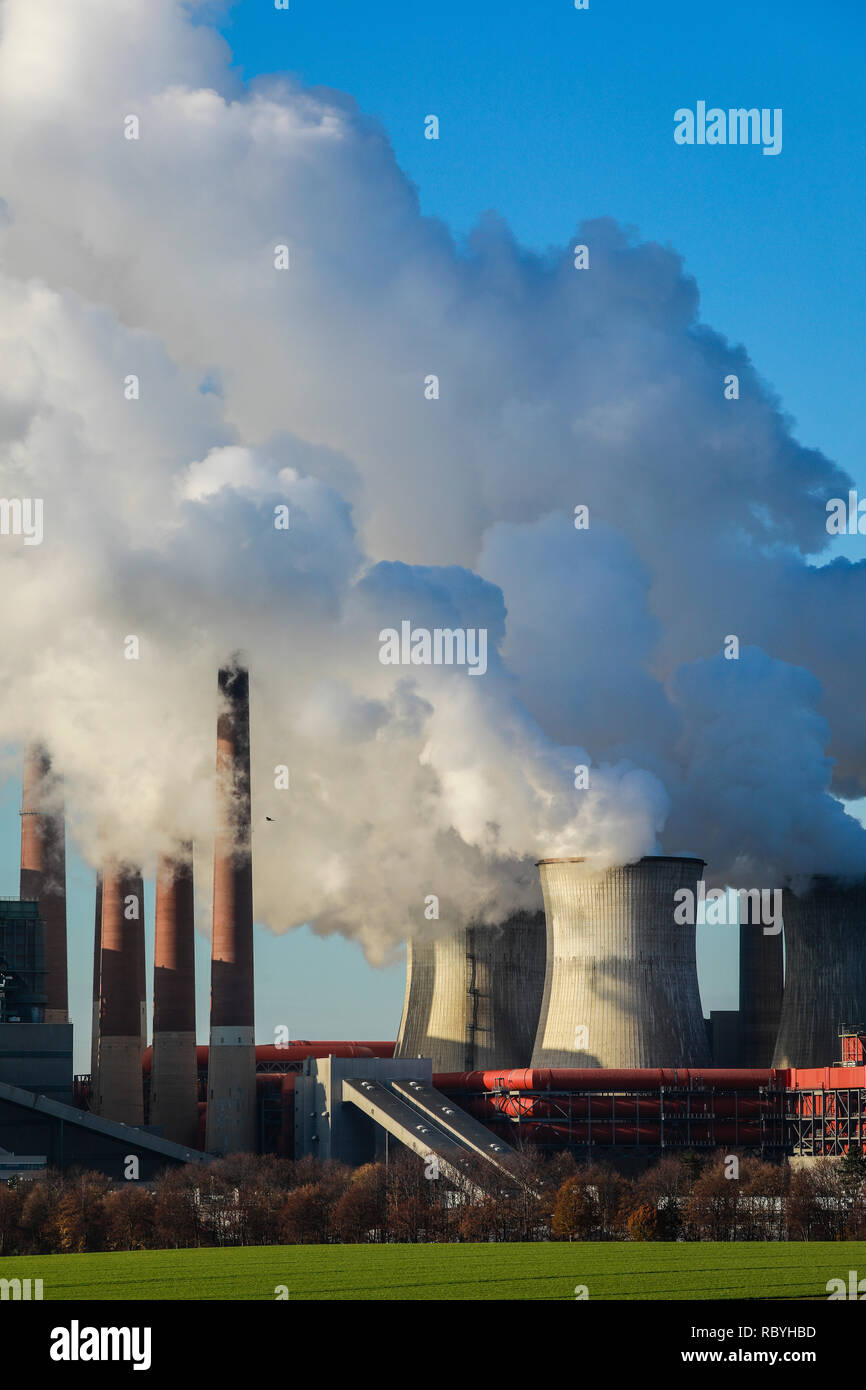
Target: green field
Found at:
413, 1272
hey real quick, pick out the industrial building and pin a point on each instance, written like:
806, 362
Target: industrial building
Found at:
580, 1027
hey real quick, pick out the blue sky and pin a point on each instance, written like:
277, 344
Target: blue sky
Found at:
550, 115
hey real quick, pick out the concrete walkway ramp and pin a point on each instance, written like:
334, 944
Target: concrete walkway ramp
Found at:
429, 1124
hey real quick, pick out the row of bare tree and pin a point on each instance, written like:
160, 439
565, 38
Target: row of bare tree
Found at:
247, 1200
689, 1199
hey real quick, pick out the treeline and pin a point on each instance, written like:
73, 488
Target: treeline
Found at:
695, 1197
247, 1200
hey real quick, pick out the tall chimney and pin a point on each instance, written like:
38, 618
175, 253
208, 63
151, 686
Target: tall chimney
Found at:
141, 969
97, 968
231, 1096
43, 872
174, 1072
118, 1093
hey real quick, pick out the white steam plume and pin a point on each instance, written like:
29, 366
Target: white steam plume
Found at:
304, 388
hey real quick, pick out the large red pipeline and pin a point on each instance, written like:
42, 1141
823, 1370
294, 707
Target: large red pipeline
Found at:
608, 1079
622, 1108
273, 1051
293, 1052
378, 1048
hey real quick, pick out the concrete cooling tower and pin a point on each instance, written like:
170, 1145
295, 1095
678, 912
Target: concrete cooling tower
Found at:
825, 970
621, 987
472, 997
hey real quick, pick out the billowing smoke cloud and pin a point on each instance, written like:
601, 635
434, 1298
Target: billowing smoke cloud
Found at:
261, 389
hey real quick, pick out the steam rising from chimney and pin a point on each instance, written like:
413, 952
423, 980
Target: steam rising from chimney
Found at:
304, 392
43, 871
231, 1059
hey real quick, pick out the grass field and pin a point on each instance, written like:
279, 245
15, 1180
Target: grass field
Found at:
421, 1272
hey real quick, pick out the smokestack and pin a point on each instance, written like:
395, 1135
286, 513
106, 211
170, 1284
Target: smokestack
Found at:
621, 988
174, 1073
141, 969
473, 997
231, 1101
825, 970
97, 967
118, 1094
43, 872
761, 975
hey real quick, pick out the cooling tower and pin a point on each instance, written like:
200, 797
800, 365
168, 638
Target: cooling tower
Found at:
473, 997
174, 1070
43, 872
761, 975
825, 971
118, 1091
231, 1101
621, 987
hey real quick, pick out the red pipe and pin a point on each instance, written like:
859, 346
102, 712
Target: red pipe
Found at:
608, 1079
623, 1108
294, 1052
378, 1049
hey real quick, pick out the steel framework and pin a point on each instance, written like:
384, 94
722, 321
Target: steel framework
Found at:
666, 1118
822, 1122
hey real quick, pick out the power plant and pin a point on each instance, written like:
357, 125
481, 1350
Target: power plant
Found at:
578, 1027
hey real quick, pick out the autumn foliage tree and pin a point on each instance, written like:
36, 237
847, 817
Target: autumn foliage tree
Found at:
129, 1213
360, 1213
11, 1204
592, 1205
81, 1217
